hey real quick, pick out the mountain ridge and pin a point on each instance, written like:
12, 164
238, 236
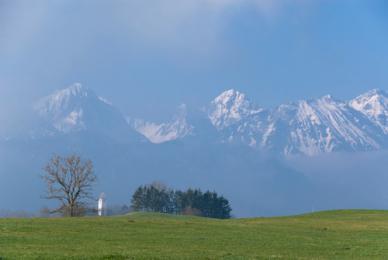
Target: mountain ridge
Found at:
248, 154
78, 109
307, 127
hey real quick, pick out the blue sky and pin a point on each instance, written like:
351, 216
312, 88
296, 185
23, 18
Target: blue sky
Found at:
147, 57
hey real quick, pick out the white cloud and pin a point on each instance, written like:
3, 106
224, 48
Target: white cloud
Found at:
201, 22
188, 25
20, 20
169, 21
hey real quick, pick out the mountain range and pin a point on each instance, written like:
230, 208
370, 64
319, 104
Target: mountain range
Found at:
231, 145
306, 127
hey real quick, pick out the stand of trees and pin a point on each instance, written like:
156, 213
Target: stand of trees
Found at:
159, 198
70, 182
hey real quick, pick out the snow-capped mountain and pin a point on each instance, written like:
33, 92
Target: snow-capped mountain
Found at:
178, 128
320, 126
374, 105
308, 127
305, 127
218, 145
237, 119
231, 107
78, 109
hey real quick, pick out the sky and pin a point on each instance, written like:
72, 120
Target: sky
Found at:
148, 57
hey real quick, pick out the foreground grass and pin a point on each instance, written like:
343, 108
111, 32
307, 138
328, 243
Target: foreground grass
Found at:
325, 235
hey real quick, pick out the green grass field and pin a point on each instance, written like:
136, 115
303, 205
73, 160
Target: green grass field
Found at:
325, 235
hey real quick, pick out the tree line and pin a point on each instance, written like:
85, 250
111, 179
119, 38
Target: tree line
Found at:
159, 198
70, 180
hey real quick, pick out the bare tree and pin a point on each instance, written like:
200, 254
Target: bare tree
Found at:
69, 180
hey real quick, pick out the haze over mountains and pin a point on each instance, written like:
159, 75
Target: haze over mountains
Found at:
231, 145
307, 127
78, 109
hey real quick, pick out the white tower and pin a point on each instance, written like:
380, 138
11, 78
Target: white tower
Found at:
101, 204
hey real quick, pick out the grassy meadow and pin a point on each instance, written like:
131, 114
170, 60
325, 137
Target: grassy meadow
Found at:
326, 235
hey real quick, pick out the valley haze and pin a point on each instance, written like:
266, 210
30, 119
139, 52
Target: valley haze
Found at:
298, 157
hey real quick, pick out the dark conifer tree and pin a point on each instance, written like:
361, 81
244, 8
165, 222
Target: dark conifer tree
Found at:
159, 198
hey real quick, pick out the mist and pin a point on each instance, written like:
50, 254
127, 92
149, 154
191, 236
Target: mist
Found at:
256, 184
148, 58
346, 180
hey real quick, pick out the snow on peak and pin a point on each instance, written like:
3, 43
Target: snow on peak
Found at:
63, 99
375, 92
307, 127
327, 98
325, 125
66, 110
372, 95
374, 105
156, 133
106, 101
229, 108
76, 89
228, 95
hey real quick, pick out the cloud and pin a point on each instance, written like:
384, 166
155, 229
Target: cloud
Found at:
41, 40
193, 25
188, 24
19, 22
169, 20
